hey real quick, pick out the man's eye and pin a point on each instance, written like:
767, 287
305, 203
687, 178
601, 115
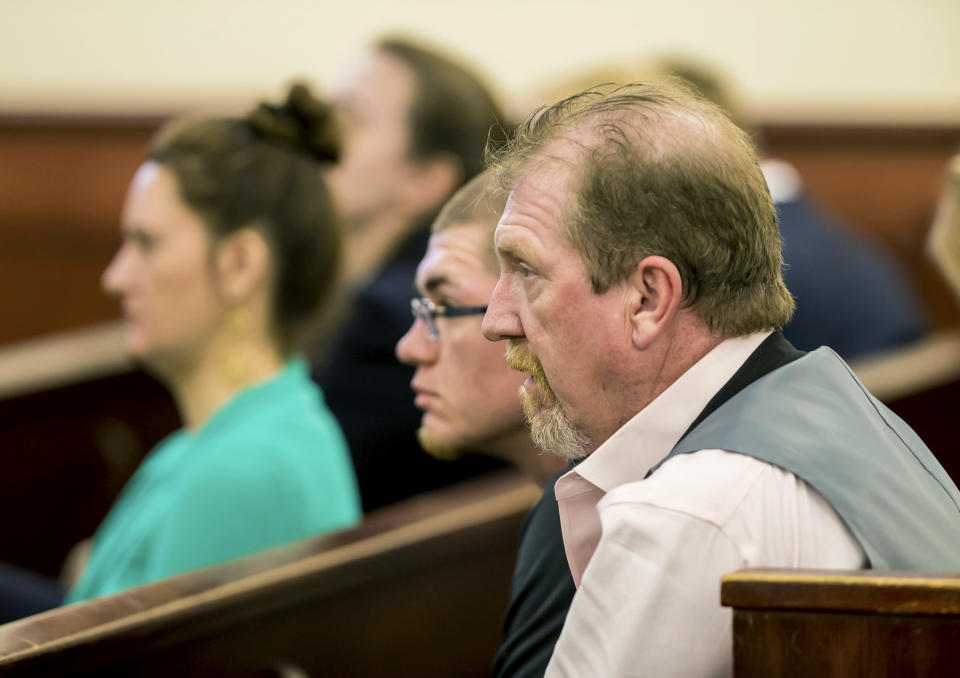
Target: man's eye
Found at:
145, 243
524, 271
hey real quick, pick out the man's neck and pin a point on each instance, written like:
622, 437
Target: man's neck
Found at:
675, 353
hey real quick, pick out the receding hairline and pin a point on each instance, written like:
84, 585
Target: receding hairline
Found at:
592, 120
662, 136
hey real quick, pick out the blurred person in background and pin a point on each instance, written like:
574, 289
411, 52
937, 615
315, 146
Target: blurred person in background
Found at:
468, 395
877, 309
943, 241
415, 124
230, 244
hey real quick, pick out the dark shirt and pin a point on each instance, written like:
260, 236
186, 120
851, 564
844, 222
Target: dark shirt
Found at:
850, 294
368, 390
539, 596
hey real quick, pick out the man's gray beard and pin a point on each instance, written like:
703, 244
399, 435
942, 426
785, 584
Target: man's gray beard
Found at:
551, 429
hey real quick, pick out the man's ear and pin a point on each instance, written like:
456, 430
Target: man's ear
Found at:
242, 263
655, 292
430, 182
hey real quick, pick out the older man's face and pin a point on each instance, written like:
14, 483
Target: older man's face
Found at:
565, 336
466, 391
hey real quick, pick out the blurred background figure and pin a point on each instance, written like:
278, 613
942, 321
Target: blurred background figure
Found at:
230, 243
414, 124
944, 239
850, 294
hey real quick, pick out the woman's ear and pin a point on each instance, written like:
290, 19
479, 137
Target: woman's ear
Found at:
655, 292
242, 263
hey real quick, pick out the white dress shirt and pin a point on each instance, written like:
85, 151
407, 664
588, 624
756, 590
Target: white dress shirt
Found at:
647, 555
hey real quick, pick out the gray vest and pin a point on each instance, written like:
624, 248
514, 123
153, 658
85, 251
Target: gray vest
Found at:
815, 419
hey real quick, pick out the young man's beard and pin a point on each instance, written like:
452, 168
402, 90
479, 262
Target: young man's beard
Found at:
550, 427
437, 448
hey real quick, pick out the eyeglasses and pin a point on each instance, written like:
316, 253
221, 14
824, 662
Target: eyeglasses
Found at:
427, 311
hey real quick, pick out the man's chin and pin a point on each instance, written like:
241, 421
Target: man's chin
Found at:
551, 429
437, 447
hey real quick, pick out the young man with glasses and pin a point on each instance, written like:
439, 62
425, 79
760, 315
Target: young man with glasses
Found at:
466, 391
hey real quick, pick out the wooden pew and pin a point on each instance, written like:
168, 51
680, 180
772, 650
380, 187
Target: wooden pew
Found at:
869, 623
418, 590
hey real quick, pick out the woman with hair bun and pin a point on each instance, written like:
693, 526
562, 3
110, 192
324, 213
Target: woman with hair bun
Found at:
230, 244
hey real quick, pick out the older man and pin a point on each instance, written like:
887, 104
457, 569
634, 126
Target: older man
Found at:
640, 289
468, 397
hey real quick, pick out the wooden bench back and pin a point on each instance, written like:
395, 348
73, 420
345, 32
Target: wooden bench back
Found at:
418, 590
869, 623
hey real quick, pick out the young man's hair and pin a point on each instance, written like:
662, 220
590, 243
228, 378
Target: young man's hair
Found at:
479, 203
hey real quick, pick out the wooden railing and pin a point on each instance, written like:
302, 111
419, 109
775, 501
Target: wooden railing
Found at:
418, 590
821, 624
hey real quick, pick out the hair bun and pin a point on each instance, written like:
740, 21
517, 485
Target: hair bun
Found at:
302, 122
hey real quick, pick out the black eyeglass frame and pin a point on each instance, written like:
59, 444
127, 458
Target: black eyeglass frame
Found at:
427, 311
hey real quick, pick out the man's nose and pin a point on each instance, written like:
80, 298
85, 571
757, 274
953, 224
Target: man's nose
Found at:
416, 347
113, 276
501, 321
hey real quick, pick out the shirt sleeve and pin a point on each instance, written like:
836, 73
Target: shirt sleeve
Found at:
225, 511
649, 601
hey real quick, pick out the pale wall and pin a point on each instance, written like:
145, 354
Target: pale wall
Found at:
808, 60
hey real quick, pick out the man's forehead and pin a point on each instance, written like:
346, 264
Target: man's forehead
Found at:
537, 198
453, 253
550, 174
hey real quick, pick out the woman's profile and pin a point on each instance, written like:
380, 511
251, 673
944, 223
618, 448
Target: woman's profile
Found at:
230, 245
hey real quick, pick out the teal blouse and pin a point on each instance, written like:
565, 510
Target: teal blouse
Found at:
269, 467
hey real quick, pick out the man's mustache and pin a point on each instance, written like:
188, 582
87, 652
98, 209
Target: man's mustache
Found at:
522, 359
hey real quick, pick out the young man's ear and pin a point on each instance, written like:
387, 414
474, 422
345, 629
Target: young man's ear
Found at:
654, 294
242, 262
431, 182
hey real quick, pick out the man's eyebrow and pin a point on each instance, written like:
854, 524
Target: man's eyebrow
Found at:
515, 251
132, 229
435, 281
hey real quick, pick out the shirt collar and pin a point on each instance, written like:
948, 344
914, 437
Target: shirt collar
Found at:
650, 435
